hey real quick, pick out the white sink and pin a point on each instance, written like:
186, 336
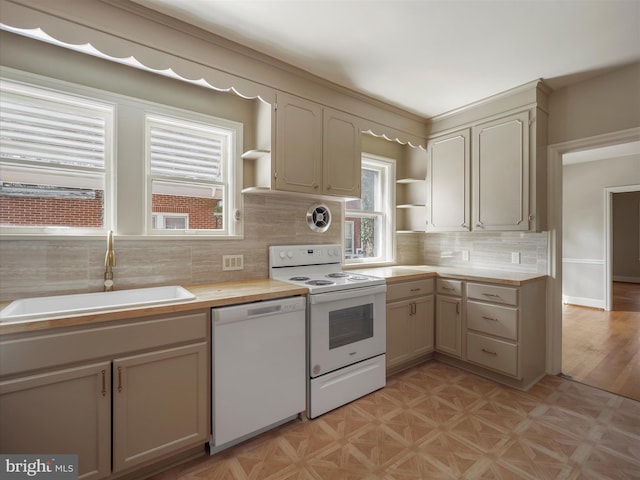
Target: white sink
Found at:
60, 305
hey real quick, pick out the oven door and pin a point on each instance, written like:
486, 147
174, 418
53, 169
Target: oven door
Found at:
346, 327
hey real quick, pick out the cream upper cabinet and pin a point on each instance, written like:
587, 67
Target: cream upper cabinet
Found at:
317, 149
341, 154
491, 158
298, 159
501, 173
448, 174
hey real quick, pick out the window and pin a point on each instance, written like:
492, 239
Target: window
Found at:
63, 169
188, 164
369, 220
55, 156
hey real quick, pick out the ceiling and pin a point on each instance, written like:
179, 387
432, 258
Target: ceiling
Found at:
428, 56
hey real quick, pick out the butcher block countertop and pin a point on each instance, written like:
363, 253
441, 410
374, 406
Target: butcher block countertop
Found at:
414, 272
207, 296
245, 291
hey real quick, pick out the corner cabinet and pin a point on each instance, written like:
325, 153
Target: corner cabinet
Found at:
487, 168
409, 323
120, 396
494, 330
317, 149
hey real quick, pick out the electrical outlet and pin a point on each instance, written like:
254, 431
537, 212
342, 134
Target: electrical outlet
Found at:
232, 262
465, 255
515, 257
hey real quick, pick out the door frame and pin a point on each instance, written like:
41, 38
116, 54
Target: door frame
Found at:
554, 212
608, 239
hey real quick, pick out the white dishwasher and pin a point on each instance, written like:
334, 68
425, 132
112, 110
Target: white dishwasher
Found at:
258, 368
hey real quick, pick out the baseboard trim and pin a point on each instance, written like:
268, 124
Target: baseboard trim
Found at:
583, 302
621, 278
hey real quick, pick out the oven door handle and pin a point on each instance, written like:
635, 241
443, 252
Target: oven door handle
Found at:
346, 294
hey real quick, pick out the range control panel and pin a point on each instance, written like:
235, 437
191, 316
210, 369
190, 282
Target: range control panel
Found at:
299, 255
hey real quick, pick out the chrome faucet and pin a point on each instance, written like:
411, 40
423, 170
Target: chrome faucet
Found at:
109, 263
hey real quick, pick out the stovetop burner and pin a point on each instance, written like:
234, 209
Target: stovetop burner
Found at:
317, 268
319, 282
358, 278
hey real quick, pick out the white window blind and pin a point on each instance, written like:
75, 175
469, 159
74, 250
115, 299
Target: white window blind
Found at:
186, 152
50, 138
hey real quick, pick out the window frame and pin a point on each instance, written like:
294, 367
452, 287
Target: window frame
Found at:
385, 210
228, 184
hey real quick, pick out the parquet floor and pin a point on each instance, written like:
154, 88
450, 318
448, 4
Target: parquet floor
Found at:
437, 422
601, 348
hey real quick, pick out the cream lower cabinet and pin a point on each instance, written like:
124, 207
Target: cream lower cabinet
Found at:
494, 330
449, 317
409, 323
159, 404
66, 411
89, 392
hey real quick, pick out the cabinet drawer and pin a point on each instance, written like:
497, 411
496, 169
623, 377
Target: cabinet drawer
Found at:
449, 287
414, 288
493, 319
495, 354
493, 293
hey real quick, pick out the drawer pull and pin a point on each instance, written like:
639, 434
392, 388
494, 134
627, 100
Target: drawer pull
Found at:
490, 318
415, 289
492, 295
104, 383
444, 287
489, 352
119, 379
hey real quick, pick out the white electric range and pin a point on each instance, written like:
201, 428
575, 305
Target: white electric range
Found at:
346, 324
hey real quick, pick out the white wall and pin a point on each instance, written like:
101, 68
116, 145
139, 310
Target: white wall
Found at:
626, 237
583, 225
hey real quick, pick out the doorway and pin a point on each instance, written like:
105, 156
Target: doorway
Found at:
598, 267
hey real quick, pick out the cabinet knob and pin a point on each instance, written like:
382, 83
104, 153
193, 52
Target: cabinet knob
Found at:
328, 187
480, 224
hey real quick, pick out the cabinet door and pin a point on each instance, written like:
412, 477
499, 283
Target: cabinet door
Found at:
159, 404
448, 201
448, 325
501, 174
341, 154
399, 330
422, 337
298, 145
63, 412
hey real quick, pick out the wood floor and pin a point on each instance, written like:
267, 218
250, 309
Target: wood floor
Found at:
602, 349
